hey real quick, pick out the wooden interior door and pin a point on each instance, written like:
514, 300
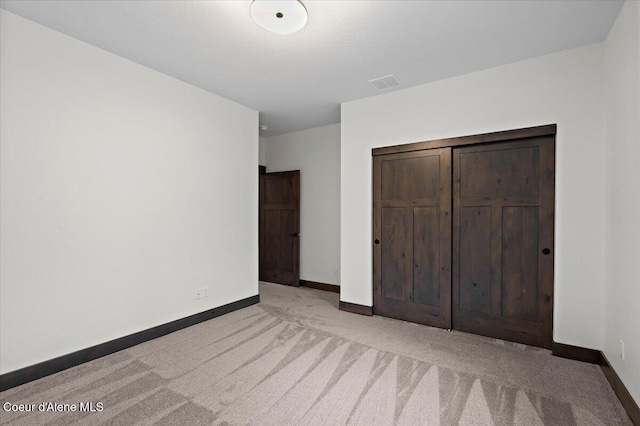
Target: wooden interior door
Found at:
280, 227
503, 215
412, 236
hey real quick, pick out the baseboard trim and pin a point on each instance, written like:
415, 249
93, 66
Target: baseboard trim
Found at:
55, 365
594, 356
356, 309
621, 391
577, 353
320, 286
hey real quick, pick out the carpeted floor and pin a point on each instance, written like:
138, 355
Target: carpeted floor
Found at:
294, 359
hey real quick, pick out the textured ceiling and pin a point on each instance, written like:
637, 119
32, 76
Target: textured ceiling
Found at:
298, 81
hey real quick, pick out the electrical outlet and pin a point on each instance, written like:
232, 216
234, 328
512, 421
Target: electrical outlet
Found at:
198, 293
621, 350
205, 292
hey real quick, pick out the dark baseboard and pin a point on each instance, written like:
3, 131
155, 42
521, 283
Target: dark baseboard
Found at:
577, 353
52, 366
594, 356
320, 286
621, 391
356, 309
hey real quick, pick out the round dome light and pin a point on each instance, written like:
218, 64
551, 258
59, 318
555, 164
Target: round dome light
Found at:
280, 16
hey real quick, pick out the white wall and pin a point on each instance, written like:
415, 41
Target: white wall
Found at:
316, 153
122, 190
563, 88
622, 136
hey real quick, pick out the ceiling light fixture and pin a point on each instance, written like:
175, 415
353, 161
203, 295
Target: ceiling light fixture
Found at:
280, 16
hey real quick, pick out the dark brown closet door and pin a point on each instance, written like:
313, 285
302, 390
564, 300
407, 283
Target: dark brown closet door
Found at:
280, 227
503, 201
412, 236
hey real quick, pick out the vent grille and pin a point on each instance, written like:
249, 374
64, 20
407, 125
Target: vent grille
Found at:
386, 82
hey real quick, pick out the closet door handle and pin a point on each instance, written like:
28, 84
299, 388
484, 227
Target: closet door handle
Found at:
546, 251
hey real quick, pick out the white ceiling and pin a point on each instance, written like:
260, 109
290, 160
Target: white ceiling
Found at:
298, 81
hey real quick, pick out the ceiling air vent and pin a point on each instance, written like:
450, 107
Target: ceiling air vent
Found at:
386, 82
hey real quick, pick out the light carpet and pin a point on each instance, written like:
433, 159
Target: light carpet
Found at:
295, 359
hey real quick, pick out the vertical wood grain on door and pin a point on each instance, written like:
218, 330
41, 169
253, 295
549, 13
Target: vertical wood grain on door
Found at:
412, 236
503, 203
280, 227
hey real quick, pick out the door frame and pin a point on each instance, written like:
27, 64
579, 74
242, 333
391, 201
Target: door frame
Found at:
485, 138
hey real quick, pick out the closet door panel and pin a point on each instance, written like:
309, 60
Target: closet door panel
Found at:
394, 242
503, 240
412, 236
426, 255
475, 247
520, 262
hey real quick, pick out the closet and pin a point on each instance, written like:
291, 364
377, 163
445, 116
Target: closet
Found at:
463, 233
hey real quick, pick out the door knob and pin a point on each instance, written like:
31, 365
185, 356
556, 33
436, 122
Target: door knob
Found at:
377, 241
546, 251
295, 234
